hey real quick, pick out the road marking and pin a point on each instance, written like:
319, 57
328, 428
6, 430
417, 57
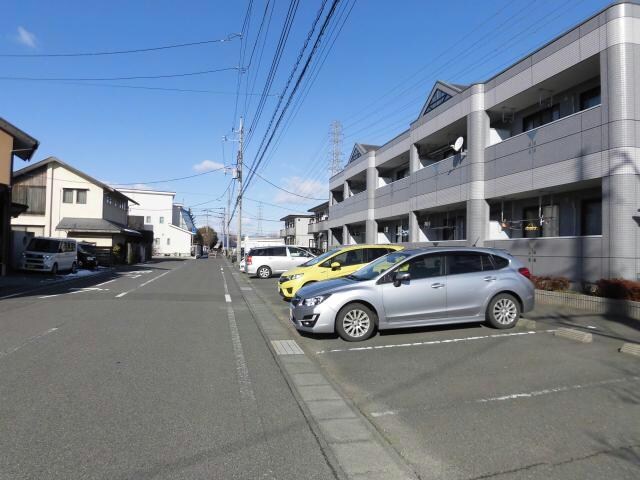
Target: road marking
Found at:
28, 341
518, 396
286, 347
50, 296
566, 388
104, 283
146, 283
433, 342
246, 389
227, 298
155, 278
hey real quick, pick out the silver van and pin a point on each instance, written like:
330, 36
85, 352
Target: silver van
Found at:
265, 261
50, 255
412, 288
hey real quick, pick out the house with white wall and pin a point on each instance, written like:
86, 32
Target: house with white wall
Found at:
63, 201
172, 224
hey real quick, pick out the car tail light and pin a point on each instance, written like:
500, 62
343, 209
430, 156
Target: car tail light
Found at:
249, 259
525, 272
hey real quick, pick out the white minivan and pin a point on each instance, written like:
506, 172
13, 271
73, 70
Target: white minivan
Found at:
50, 255
265, 261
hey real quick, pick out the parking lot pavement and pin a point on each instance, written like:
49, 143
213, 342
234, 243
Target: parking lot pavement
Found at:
471, 402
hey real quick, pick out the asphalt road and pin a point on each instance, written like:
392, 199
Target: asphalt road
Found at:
469, 402
146, 374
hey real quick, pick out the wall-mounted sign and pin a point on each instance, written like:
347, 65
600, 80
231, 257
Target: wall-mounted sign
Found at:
532, 228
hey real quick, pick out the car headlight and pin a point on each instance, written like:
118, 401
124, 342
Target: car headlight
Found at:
313, 301
296, 276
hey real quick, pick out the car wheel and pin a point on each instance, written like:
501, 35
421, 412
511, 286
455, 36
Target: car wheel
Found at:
503, 311
356, 322
264, 272
74, 267
54, 269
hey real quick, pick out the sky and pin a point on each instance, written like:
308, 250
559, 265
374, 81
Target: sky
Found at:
373, 71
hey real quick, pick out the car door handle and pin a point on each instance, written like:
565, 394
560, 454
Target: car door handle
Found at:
437, 285
489, 279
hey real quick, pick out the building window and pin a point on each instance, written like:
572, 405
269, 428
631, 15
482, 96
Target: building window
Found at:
156, 241
108, 199
148, 220
590, 98
532, 227
161, 219
540, 118
81, 196
67, 195
438, 98
168, 241
591, 217
32, 196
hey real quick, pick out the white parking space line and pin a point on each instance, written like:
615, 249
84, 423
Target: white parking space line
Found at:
28, 341
564, 388
104, 283
227, 298
433, 342
50, 296
120, 295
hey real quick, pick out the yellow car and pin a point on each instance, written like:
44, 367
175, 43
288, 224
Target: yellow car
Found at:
332, 264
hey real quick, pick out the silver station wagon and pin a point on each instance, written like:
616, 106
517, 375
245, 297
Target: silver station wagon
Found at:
411, 288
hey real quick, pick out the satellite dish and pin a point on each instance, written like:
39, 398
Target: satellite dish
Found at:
458, 144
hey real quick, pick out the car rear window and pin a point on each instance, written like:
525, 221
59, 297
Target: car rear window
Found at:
499, 262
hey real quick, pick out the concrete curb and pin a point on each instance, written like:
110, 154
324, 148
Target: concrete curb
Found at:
351, 443
576, 335
630, 349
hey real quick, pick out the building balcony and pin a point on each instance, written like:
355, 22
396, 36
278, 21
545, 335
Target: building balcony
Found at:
316, 227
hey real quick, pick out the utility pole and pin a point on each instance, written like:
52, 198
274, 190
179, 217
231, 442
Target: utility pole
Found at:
227, 218
335, 156
239, 174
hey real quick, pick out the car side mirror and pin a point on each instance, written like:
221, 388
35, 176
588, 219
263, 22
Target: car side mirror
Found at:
399, 277
335, 266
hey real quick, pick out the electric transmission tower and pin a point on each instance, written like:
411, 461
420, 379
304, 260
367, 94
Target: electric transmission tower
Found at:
335, 155
259, 227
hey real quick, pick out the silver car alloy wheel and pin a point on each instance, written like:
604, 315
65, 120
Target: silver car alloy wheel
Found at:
505, 311
263, 272
356, 323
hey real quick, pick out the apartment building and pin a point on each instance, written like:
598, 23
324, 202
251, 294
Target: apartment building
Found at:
318, 226
296, 229
63, 201
171, 223
548, 167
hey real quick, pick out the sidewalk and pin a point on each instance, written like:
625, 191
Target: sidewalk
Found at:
20, 282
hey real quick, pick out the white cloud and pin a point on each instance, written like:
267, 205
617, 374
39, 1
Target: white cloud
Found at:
301, 186
25, 37
207, 165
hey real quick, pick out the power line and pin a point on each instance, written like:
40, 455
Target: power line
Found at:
121, 52
140, 77
144, 87
283, 189
258, 160
170, 179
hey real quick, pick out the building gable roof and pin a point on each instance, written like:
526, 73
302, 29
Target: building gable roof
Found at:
24, 145
440, 93
48, 160
360, 149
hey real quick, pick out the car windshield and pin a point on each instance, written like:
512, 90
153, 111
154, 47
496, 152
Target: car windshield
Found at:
43, 245
378, 266
86, 249
320, 258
